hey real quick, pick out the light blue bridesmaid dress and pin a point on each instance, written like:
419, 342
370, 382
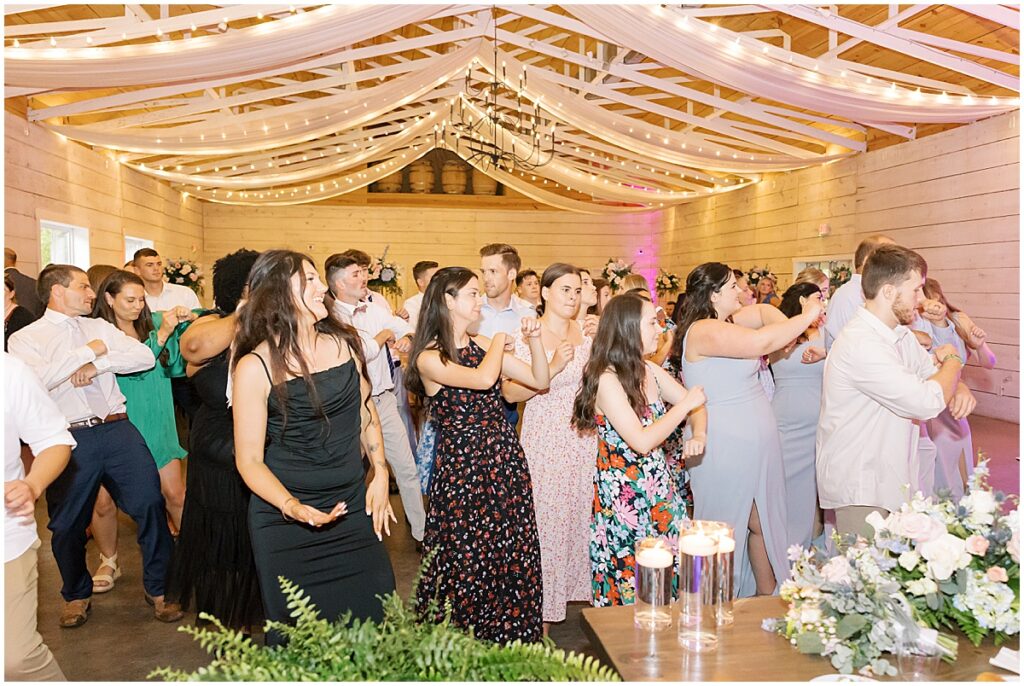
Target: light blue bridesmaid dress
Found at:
742, 461
797, 404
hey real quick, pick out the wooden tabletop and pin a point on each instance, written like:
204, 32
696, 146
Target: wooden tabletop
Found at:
745, 651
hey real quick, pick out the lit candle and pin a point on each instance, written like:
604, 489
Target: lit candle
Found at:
726, 544
697, 545
654, 557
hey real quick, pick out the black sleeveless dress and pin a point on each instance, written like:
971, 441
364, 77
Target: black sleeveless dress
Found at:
212, 568
481, 524
341, 566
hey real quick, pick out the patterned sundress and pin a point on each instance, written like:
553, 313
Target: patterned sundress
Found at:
635, 497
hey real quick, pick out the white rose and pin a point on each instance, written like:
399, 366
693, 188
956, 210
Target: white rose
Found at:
909, 560
945, 554
922, 586
186, 269
879, 523
919, 526
981, 507
810, 614
836, 570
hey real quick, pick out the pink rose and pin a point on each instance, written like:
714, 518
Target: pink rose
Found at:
997, 574
977, 545
919, 526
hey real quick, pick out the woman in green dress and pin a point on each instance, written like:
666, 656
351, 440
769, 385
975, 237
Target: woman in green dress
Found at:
121, 300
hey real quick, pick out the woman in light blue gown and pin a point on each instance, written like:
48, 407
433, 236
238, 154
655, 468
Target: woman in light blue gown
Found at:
740, 478
797, 403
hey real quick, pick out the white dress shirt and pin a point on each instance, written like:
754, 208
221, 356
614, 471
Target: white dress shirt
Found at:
875, 384
507, 320
32, 416
841, 307
412, 306
369, 319
173, 295
46, 345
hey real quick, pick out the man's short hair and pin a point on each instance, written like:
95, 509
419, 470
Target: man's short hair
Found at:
890, 265
422, 267
338, 261
521, 276
10, 256
143, 252
866, 247
359, 257
52, 275
509, 255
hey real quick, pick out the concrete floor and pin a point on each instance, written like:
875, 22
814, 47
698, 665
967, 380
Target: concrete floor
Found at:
122, 642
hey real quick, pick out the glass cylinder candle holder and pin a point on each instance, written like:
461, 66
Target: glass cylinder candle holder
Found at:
724, 572
654, 563
698, 596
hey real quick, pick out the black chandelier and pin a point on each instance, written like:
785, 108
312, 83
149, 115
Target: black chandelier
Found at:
492, 133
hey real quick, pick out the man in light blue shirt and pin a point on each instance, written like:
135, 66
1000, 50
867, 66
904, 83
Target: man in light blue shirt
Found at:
848, 298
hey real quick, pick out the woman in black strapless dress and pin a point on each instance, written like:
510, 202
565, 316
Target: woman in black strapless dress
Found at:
302, 414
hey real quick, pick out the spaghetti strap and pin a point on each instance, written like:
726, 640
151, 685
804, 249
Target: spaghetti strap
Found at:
265, 369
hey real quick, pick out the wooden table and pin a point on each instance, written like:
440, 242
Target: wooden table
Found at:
745, 651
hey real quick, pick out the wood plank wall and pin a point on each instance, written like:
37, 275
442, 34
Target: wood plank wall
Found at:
954, 197
451, 237
53, 179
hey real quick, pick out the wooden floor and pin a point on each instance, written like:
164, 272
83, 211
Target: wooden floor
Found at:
122, 642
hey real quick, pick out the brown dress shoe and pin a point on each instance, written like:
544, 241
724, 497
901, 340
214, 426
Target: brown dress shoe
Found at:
75, 613
163, 610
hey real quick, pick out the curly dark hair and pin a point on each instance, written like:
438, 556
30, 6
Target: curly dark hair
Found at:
230, 276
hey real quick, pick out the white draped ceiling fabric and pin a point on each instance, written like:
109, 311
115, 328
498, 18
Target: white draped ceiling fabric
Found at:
653, 105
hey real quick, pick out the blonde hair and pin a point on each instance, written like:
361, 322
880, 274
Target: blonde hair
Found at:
810, 275
631, 281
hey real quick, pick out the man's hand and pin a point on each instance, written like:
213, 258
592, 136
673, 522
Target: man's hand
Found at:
944, 351
84, 376
403, 313
19, 498
404, 344
962, 403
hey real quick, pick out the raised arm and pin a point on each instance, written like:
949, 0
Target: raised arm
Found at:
208, 337
124, 354
537, 374
453, 374
613, 403
250, 390
714, 338
52, 370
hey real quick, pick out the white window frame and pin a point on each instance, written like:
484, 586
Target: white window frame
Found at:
133, 243
75, 240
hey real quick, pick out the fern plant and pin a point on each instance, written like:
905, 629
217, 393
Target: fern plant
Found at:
400, 648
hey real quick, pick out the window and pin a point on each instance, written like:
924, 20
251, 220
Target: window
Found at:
63, 244
131, 244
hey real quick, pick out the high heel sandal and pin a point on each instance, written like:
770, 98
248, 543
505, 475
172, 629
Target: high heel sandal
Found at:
107, 580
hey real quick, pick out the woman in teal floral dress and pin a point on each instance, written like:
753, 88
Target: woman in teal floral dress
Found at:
121, 301
623, 398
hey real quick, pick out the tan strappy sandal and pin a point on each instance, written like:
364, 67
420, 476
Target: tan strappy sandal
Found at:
102, 583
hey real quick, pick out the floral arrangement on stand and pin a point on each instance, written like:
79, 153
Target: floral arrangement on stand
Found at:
935, 564
615, 271
185, 272
839, 272
667, 283
384, 275
755, 274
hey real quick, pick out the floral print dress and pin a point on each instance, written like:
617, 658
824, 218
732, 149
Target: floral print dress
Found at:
634, 497
481, 528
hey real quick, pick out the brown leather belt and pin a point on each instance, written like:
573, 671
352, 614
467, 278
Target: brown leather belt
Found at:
96, 421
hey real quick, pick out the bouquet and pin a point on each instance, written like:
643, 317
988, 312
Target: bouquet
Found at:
615, 271
755, 274
936, 563
666, 283
384, 275
839, 273
185, 272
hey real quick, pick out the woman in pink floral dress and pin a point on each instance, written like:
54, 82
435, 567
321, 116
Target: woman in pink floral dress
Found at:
561, 461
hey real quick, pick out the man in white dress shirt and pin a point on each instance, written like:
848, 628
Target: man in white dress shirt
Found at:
377, 327
31, 416
422, 273
76, 358
877, 381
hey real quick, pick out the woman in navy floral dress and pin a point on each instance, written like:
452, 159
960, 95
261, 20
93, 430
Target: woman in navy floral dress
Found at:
623, 398
481, 533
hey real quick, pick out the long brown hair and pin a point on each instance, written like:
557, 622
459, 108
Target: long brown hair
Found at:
704, 281
618, 348
270, 315
434, 326
113, 284
599, 284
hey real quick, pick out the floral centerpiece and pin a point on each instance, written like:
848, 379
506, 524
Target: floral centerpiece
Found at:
615, 271
755, 274
936, 563
839, 273
384, 275
667, 283
185, 272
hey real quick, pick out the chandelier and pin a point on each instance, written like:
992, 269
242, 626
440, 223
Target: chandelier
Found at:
498, 132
